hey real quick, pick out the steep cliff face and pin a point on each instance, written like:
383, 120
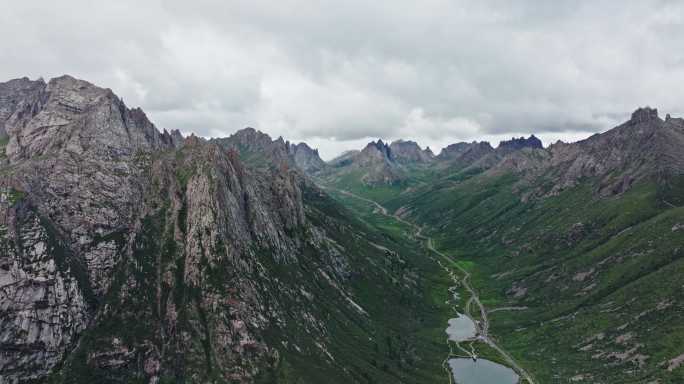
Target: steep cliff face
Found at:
76, 197
464, 154
257, 148
374, 165
307, 159
520, 143
408, 152
19, 95
73, 148
374, 153
643, 147
188, 300
72, 168
127, 254
42, 306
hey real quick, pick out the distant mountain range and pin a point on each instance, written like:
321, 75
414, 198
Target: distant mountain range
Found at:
646, 146
579, 246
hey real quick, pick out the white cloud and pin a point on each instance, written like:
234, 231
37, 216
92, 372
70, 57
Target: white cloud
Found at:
336, 74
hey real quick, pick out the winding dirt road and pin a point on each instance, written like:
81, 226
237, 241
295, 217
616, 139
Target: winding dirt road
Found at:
482, 326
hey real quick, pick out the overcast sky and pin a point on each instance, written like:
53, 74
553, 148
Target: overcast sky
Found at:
339, 73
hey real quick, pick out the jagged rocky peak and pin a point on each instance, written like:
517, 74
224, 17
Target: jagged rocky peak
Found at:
306, 158
258, 145
252, 143
429, 152
379, 145
18, 96
77, 154
454, 149
644, 114
376, 160
407, 151
644, 147
304, 147
59, 133
13, 90
251, 138
520, 143
457, 150
377, 150
175, 137
674, 121
100, 214
68, 114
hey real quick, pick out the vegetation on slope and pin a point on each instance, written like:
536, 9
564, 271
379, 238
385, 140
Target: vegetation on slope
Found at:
396, 334
599, 278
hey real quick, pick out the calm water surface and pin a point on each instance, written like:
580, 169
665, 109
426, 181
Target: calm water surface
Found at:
467, 371
461, 328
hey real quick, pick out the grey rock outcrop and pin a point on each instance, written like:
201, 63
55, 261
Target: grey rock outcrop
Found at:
306, 158
259, 149
376, 151
127, 253
378, 163
465, 153
42, 308
74, 152
515, 144
643, 115
250, 140
408, 152
643, 147
18, 97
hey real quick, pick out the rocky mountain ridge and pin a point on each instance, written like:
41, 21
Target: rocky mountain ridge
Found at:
388, 164
129, 254
520, 143
69, 188
306, 158
645, 146
258, 146
408, 152
380, 163
376, 164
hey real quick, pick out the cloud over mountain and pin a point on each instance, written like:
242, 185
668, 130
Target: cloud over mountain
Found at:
336, 73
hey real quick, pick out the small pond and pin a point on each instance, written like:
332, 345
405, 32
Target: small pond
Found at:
461, 328
467, 371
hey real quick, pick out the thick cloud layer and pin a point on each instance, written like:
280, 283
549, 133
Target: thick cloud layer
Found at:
337, 73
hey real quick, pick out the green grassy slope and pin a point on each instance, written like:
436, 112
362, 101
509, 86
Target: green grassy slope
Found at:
402, 291
414, 178
601, 277
3, 144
